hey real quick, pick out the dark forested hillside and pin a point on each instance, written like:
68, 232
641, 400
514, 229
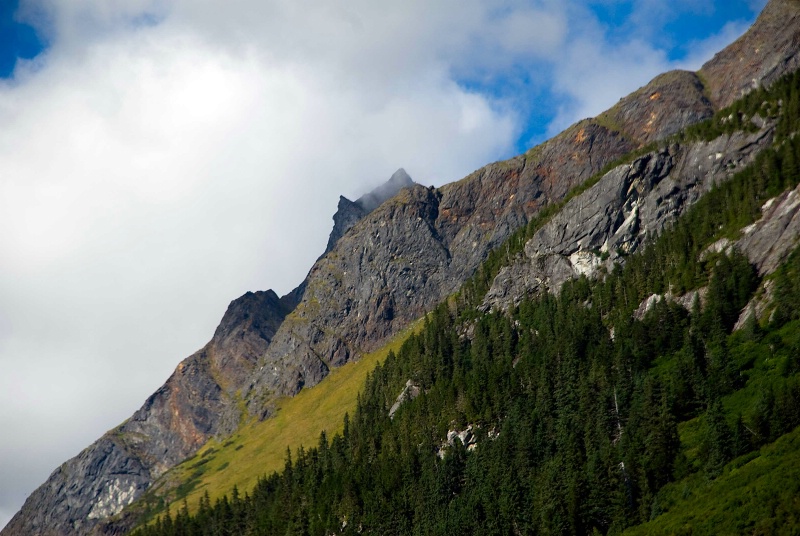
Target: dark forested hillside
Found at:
576, 413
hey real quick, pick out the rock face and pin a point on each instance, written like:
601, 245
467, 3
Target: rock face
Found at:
347, 214
769, 241
614, 217
761, 56
110, 479
402, 249
663, 107
413, 251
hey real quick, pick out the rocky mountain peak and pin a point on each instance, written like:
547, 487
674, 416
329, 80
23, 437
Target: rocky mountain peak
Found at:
399, 180
349, 212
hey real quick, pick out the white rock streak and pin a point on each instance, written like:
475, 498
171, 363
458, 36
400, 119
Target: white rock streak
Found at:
113, 500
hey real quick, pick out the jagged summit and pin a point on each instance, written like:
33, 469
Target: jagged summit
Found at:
399, 180
349, 212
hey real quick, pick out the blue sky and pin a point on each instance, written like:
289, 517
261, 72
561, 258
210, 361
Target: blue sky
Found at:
159, 158
17, 40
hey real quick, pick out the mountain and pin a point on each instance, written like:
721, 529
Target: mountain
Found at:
397, 253
660, 397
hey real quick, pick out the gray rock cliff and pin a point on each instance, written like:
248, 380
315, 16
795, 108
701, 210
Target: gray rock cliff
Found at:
615, 216
770, 240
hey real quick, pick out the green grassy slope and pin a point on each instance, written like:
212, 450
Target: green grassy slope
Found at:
259, 447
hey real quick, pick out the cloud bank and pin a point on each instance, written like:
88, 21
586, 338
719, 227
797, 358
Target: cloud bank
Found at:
161, 158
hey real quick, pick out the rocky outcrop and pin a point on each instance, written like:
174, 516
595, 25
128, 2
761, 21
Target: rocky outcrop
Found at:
687, 301
615, 216
758, 306
770, 240
372, 200
766, 52
466, 437
109, 480
665, 106
410, 392
767, 243
349, 212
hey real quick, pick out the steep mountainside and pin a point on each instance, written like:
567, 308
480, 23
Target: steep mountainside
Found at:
196, 403
388, 264
611, 406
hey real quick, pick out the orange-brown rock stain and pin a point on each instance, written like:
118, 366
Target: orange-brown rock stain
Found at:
182, 426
